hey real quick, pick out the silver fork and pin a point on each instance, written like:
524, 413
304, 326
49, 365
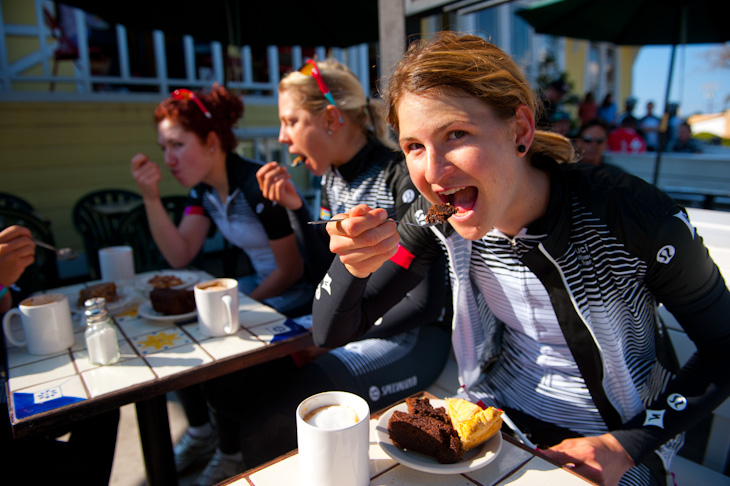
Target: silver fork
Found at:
424, 225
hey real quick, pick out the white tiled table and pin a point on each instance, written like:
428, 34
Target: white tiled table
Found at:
157, 357
515, 464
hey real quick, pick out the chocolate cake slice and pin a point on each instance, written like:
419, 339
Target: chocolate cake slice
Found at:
423, 407
426, 430
108, 290
172, 302
438, 213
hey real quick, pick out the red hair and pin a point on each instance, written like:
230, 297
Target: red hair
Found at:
224, 107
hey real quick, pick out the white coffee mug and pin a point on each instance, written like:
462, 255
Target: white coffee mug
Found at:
117, 264
46, 324
217, 304
333, 436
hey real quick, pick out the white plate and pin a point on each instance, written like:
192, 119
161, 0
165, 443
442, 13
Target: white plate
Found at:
124, 296
473, 459
119, 304
188, 278
145, 310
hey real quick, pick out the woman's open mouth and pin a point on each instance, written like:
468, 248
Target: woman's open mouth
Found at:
462, 198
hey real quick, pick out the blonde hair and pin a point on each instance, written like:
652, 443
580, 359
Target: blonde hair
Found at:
467, 64
366, 113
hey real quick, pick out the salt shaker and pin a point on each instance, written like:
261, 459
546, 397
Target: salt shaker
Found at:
101, 337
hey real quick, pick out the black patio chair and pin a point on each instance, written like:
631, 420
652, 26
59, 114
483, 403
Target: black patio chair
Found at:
98, 225
12, 201
42, 274
134, 230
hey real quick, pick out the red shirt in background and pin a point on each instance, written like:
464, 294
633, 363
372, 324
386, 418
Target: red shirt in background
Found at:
626, 140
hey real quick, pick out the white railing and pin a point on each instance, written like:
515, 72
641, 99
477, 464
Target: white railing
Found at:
41, 86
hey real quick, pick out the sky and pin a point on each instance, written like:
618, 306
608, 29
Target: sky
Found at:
695, 80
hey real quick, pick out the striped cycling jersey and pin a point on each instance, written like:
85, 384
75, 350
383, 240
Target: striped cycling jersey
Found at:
246, 219
369, 187
536, 356
378, 178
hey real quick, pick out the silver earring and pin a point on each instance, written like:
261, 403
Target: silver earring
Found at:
329, 132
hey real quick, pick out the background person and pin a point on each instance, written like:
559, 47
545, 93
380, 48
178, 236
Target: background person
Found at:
587, 109
629, 105
607, 110
684, 141
649, 127
558, 269
625, 138
195, 132
551, 98
670, 123
561, 123
591, 141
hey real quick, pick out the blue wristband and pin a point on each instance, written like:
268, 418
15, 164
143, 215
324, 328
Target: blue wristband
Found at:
3, 290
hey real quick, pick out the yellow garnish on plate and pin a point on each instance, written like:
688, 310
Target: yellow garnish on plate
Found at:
473, 424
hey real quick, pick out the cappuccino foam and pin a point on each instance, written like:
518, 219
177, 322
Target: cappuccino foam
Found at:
214, 286
331, 417
41, 300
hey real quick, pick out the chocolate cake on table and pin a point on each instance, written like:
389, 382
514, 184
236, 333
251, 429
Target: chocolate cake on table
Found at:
108, 290
443, 433
426, 430
439, 213
172, 302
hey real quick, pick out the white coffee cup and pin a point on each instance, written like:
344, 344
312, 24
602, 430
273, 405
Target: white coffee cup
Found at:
217, 304
117, 264
333, 439
46, 324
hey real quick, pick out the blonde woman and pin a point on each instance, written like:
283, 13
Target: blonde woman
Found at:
343, 138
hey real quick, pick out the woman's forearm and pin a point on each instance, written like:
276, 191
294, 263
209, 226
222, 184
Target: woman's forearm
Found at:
171, 242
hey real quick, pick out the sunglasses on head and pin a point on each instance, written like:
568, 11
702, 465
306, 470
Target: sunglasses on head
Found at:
589, 139
186, 94
310, 69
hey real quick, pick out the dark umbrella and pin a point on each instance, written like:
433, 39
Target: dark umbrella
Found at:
247, 22
635, 22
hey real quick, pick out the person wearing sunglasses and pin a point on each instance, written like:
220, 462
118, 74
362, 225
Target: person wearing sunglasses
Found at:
195, 133
591, 141
558, 269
